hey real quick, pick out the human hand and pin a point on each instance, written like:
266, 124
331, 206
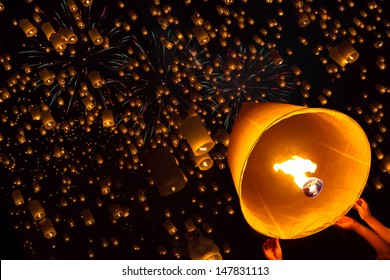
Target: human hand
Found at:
271, 249
345, 222
362, 207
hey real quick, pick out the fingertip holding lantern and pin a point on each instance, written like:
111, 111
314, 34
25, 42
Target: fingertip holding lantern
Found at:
271, 137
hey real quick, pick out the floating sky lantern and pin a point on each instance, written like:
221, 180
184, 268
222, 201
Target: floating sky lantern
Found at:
202, 248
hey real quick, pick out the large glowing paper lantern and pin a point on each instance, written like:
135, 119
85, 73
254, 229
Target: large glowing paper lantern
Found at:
327, 152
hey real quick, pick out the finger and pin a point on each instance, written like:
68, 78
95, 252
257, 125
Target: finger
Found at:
266, 245
277, 244
337, 224
357, 205
272, 242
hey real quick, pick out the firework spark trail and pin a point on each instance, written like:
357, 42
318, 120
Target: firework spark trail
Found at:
255, 79
108, 60
160, 75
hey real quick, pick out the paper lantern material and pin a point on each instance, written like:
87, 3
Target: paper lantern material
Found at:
265, 134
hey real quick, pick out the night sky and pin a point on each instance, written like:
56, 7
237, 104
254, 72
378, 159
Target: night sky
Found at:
153, 73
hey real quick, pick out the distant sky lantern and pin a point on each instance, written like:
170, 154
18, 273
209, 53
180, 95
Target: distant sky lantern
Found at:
86, 3
68, 35
204, 162
87, 216
35, 112
18, 197
47, 120
57, 42
296, 169
88, 103
170, 227
48, 29
302, 19
47, 228
29, 29
343, 53
202, 248
196, 135
72, 5
36, 210
167, 174
276, 58
46, 76
108, 118
95, 36
95, 79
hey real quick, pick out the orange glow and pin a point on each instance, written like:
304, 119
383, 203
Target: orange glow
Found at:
297, 167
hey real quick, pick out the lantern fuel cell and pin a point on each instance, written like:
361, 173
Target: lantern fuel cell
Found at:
279, 204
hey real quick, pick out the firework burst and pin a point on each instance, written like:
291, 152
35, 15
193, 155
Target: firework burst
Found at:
80, 53
167, 71
246, 75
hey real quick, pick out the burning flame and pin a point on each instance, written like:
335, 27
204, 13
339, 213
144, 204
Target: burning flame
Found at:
297, 167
